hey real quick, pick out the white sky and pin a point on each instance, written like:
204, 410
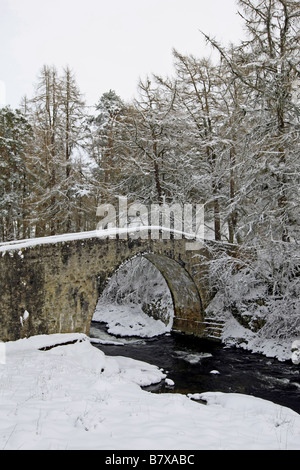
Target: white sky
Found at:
108, 44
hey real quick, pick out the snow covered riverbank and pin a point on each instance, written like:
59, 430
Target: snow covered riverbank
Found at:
74, 397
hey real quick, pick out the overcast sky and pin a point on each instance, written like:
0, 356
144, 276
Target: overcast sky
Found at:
108, 44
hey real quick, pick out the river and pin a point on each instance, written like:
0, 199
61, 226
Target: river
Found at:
196, 365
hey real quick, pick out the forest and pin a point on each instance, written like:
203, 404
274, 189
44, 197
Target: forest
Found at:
220, 132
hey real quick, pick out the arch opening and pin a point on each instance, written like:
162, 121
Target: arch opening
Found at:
149, 295
136, 301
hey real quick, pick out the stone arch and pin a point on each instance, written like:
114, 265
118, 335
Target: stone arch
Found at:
188, 311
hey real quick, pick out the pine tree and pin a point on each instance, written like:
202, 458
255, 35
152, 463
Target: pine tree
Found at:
15, 180
267, 64
197, 86
72, 116
151, 145
57, 114
106, 147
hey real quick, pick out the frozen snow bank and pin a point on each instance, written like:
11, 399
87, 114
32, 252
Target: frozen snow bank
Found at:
75, 397
128, 320
43, 341
83, 355
235, 334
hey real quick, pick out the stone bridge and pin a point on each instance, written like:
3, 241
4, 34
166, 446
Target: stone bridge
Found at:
52, 285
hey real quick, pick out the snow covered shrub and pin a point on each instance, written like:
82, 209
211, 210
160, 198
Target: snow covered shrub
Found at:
280, 266
263, 295
241, 292
296, 352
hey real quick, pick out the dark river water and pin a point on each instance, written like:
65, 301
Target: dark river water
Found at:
196, 365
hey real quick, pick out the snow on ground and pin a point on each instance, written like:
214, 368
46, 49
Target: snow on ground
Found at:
129, 320
73, 396
278, 348
236, 335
